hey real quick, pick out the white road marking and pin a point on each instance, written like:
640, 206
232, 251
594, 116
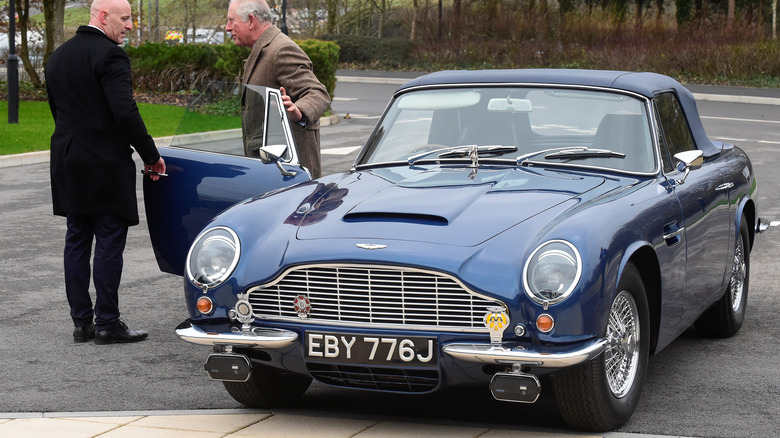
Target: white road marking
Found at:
741, 120
339, 151
743, 140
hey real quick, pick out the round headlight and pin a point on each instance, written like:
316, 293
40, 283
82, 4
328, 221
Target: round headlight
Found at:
552, 272
213, 257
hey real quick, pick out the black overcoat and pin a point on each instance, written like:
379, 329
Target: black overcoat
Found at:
90, 92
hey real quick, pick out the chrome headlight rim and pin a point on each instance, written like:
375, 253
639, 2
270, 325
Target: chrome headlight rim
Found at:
219, 234
544, 248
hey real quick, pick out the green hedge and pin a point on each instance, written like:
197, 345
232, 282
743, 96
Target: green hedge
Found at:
381, 52
324, 56
160, 67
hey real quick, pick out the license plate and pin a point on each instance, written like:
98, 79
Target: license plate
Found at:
371, 349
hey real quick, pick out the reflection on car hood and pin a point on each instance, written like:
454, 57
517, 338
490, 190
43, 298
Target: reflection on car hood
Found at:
455, 206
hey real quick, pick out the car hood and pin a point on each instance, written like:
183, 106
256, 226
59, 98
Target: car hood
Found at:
453, 206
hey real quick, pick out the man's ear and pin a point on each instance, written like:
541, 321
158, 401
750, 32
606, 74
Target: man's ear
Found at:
103, 17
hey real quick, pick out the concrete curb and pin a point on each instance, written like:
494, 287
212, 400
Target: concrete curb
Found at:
23, 159
753, 100
372, 80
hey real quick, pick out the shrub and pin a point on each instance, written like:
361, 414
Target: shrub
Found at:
324, 56
378, 52
160, 67
166, 68
230, 61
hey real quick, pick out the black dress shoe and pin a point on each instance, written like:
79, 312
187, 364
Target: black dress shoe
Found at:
84, 334
119, 334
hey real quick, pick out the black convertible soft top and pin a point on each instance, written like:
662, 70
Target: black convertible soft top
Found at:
642, 83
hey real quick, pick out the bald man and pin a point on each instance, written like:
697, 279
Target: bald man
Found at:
93, 175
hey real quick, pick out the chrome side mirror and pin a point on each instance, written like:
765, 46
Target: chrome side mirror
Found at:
272, 154
687, 161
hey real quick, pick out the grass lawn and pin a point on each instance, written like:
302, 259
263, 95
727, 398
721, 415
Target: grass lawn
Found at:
33, 132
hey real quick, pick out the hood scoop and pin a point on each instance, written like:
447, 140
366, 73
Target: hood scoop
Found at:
428, 206
413, 218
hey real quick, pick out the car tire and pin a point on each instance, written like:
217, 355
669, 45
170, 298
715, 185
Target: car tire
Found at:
726, 316
590, 397
268, 388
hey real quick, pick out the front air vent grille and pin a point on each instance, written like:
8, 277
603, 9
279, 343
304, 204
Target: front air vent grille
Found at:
383, 379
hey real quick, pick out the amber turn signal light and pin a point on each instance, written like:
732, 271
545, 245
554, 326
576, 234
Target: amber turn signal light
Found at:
545, 323
205, 305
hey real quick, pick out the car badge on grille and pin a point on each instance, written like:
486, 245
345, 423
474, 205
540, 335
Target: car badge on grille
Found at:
371, 246
302, 306
242, 312
496, 320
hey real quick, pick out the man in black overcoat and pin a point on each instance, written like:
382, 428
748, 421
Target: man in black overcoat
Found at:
93, 175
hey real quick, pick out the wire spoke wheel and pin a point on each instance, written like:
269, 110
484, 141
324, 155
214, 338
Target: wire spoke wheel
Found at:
602, 393
622, 352
738, 275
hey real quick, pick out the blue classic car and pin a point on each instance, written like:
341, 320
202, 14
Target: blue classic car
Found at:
497, 227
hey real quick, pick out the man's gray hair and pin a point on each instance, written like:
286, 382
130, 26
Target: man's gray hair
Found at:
258, 8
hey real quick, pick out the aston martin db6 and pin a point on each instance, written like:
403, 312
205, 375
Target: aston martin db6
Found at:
522, 230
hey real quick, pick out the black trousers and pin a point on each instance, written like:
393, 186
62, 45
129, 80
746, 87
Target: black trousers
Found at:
110, 236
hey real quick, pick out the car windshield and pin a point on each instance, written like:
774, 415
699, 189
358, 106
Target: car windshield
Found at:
514, 125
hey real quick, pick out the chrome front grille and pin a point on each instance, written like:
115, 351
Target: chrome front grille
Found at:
378, 296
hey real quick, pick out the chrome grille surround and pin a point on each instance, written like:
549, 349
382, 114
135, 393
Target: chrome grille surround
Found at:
381, 296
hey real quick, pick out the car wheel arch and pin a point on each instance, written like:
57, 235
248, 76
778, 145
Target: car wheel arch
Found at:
747, 211
644, 258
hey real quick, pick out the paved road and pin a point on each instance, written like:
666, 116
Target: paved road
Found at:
696, 387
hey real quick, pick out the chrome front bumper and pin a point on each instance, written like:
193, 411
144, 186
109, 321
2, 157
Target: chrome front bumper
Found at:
554, 358
269, 338
255, 338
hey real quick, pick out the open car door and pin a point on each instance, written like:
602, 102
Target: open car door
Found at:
208, 172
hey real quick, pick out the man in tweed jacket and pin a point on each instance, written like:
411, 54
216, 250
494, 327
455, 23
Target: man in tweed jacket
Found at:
277, 62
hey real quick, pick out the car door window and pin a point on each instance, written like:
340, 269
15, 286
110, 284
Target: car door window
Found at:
239, 114
220, 104
675, 134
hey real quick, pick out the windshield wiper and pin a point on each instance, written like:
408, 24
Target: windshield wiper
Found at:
417, 157
481, 150
582, 153
463, 151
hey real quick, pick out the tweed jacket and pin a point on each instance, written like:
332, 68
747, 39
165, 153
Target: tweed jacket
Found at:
90, 92
276, 61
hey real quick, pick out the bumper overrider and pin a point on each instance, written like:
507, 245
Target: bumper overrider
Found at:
268, 338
